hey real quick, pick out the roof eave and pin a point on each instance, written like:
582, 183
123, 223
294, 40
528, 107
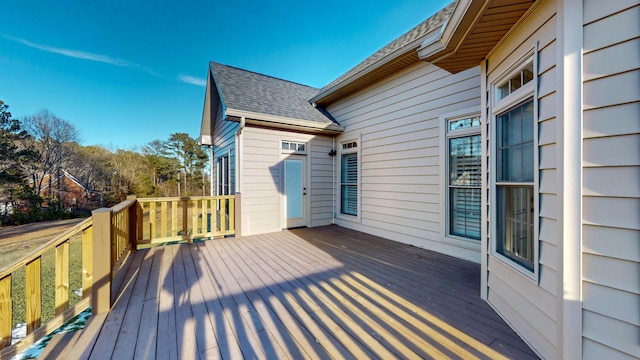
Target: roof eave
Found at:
445, 50
327, 95
282, 122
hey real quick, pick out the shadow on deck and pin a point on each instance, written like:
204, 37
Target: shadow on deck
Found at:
315, 293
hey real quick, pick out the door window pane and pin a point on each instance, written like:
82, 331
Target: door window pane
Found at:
293, 188
349, 184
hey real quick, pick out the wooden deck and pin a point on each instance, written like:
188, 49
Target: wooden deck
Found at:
314, 293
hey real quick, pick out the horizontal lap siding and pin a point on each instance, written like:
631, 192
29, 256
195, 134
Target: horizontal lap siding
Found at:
223, 144
611, 174
531, 306
398, 120
321, 181
262, 177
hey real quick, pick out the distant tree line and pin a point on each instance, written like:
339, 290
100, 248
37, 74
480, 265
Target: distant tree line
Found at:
46, 174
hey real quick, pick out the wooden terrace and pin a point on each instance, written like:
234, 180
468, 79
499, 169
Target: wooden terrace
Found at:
314, 293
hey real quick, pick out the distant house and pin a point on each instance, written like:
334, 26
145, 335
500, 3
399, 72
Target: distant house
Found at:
66, 188
504, 132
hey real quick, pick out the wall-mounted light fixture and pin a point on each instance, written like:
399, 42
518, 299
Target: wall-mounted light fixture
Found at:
332, 152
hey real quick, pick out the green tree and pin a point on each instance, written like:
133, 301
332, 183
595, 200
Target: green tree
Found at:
15, 156
192, 159
164, 168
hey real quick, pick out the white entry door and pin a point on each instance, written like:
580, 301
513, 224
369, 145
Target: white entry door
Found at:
295, 192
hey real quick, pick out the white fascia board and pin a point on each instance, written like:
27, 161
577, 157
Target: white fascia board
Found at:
378, 64
275, 119
438, 42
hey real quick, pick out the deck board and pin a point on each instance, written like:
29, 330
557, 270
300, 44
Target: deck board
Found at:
317, 293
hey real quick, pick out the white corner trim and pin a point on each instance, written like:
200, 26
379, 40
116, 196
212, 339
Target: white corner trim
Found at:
569, 156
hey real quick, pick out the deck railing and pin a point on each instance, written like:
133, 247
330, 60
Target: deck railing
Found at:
20, 283
116, 231
186, 218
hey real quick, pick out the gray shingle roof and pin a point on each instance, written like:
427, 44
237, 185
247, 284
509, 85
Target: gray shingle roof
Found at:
249, 91
432, 23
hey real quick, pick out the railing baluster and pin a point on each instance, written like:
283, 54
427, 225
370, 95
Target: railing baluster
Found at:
232, 214
152, 220
194, 218
87, 262
205, 203
214, 215
33, 295
174, 218
140, 216
223, 214
62, 278
163, 219
6, 312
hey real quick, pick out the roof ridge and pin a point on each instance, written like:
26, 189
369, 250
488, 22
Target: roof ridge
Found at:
264, 75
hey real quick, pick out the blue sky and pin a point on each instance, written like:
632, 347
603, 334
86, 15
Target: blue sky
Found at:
126, 72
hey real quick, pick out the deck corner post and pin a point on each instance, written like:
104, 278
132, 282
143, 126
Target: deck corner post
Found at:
133, 223
238, 215
101, 289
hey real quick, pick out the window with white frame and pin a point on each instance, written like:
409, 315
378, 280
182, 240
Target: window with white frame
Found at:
222, 167
349, 178
464, 165
294, 147
515, 167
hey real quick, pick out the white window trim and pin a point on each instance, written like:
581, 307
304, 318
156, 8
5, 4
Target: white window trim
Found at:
295, 152
444, 164
529, 90
358, 150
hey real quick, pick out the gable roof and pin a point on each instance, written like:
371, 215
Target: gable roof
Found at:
247, 91
398, 54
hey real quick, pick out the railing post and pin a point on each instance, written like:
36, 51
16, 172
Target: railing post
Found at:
238, 215
101, 290
133, 223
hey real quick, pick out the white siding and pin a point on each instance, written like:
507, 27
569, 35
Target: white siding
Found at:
223, 144
530, 306
262, 179
611, 174
398, 123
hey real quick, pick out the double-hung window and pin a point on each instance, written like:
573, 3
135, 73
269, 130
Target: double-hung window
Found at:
349, 178
223, 175
465, 177
515, 168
